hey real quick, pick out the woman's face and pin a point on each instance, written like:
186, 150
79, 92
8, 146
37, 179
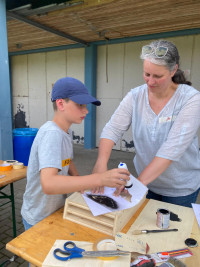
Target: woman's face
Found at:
157, 77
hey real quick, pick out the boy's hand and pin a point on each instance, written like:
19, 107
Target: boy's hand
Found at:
99, 169
115, 178
98, 190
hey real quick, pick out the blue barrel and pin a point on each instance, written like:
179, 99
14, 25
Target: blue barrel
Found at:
22, 142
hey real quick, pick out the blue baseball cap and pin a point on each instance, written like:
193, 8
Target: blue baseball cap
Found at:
73, 89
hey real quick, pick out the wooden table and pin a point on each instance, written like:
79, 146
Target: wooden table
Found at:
11, 177
34, 244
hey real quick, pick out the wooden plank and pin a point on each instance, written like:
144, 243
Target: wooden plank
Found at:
172, 240
12, 176
44, 234
146, 220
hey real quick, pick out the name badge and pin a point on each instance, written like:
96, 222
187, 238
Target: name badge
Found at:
65, 162
167, 119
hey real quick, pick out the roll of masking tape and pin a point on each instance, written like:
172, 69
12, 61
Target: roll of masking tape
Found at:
5, 167
105, 244
10, 161
18, 165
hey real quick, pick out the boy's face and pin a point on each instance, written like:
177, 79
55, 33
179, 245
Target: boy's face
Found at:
73, 112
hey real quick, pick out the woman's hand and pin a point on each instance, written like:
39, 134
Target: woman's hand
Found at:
99, 167
118, 191
113, 178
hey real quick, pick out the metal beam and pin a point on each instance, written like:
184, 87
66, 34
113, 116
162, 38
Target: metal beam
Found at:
90, 83
152, 36
14, 15
6, 139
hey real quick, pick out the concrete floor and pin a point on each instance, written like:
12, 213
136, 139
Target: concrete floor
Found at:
84, 160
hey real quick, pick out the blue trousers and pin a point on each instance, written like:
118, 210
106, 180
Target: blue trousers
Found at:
182, 200
26, 225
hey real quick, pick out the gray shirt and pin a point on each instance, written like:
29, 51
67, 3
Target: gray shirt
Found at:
172, 134
52, 147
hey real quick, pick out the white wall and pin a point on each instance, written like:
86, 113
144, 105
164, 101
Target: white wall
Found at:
33, 76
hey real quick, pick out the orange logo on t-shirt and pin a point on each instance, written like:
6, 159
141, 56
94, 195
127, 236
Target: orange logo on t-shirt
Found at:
65, 162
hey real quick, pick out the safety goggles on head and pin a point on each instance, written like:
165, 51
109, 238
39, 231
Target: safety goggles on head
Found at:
159, 51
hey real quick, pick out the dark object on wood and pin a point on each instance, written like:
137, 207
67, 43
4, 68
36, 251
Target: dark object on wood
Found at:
104, 200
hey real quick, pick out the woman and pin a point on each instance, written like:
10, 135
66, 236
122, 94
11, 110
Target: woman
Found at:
164, 115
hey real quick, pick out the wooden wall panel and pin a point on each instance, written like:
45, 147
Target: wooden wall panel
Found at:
76, 69
56, 68
19, 75
37, 88
110, 71
195, 62
21, 114
185, 48
132, 66
110, 64
20, 91
195, 66
124, 72
104, 112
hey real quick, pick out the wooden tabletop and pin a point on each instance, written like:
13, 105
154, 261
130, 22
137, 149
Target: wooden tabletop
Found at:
34, 244
12, 175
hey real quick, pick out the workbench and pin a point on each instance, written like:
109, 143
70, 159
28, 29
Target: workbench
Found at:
34, 244
10, 177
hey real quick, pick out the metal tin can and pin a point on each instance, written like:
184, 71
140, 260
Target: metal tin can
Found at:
163, 218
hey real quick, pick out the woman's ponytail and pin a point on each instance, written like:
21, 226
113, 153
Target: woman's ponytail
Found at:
179, 78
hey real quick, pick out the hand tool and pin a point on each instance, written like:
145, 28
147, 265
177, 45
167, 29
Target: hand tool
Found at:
72, 251
145, 263
138, 232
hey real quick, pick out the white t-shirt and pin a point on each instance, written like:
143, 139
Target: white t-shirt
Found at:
52, 147
172, 134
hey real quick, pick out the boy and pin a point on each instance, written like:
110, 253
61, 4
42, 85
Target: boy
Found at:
51, 173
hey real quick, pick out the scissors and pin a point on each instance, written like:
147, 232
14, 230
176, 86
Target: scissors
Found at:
72, 251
